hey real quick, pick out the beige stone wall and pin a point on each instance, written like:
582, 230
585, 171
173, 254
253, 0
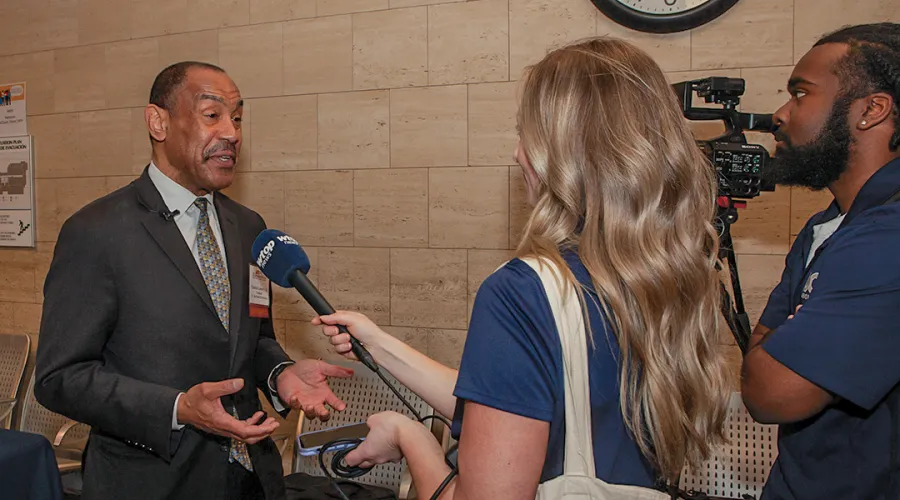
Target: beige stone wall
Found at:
378, 132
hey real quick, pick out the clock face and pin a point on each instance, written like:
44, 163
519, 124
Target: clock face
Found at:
662, 6
663, 16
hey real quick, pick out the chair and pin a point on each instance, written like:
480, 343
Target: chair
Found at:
365, 393
14, 349
742, 466
68, 436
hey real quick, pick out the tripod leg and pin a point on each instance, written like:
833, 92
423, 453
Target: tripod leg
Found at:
736, 317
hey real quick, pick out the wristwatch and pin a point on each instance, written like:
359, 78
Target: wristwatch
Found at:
273, 377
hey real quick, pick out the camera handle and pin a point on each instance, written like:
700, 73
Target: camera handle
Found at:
735, 314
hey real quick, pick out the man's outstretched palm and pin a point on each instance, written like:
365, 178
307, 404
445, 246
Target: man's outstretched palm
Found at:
304, 385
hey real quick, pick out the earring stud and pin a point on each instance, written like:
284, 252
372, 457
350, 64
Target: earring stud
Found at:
862, 122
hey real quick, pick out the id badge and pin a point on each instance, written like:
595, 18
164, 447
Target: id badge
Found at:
259, 293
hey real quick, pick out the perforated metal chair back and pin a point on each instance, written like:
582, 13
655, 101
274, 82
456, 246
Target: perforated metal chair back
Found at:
40, 420
14, 350
365, 393
741, 467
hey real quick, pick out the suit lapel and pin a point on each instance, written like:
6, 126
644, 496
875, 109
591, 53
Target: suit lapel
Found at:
237, 269
169, 238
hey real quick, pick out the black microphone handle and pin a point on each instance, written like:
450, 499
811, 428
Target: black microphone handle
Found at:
301, 282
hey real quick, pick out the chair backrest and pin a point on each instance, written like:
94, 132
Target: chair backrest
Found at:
40, 420
14, 350
742, 466
365, 393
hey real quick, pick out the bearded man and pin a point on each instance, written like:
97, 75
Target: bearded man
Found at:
823, 360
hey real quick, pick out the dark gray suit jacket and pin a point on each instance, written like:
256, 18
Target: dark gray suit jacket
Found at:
127, 324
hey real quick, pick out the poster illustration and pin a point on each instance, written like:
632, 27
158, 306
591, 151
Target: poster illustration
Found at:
16, 192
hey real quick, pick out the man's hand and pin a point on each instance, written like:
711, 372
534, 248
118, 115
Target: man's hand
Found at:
201, 407
304, 385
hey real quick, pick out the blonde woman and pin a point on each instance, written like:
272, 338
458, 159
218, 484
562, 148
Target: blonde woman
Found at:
623, 207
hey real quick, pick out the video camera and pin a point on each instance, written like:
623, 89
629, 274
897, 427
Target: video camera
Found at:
739, 165
740, 169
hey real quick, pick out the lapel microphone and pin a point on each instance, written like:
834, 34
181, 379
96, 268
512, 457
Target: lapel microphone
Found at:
168, 215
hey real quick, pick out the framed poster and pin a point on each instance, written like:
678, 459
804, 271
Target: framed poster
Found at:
13, 122
16, 192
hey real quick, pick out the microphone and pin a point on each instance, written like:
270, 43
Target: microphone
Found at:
168, 215
285, 263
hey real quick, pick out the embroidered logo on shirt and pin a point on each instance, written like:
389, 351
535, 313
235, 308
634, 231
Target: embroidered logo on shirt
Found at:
808, 287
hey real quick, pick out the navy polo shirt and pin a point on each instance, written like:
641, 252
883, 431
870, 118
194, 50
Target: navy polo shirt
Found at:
846, 340
512, 361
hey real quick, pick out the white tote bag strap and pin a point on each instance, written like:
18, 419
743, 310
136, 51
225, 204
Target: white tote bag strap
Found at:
568, 313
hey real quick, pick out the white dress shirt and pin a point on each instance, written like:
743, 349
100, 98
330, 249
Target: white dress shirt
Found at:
179, 198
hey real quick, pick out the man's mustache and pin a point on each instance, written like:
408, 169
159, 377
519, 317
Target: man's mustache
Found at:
781, 137
222, 146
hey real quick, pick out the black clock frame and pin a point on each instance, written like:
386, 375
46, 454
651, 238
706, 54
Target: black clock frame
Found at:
666, 23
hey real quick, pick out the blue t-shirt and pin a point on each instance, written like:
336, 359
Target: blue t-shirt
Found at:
512, 361
846, 340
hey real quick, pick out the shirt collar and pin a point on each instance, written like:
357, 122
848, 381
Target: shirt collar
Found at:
174, 195
878, 189
881, 186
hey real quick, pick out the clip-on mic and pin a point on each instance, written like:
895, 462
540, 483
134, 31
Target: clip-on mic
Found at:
168, 215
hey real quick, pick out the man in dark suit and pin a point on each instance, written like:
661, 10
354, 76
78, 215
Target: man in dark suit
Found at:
148, 334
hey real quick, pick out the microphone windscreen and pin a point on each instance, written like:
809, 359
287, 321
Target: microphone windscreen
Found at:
278, 255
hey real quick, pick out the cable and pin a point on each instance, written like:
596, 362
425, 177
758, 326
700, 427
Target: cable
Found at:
339, 456
399, 396
437, 492
366, 358
339, 467
342, 470
438, 418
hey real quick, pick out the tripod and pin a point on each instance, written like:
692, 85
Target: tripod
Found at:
735, 314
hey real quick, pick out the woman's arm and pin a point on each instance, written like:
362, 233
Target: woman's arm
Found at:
432, 381
501, 455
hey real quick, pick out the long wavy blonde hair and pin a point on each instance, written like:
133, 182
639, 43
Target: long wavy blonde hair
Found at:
621, 180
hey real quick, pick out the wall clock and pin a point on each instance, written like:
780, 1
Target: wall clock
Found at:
663, 16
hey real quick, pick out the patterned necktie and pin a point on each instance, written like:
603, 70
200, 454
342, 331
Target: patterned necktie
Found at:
212, 267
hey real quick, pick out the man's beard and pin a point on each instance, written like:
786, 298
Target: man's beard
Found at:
819, 163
